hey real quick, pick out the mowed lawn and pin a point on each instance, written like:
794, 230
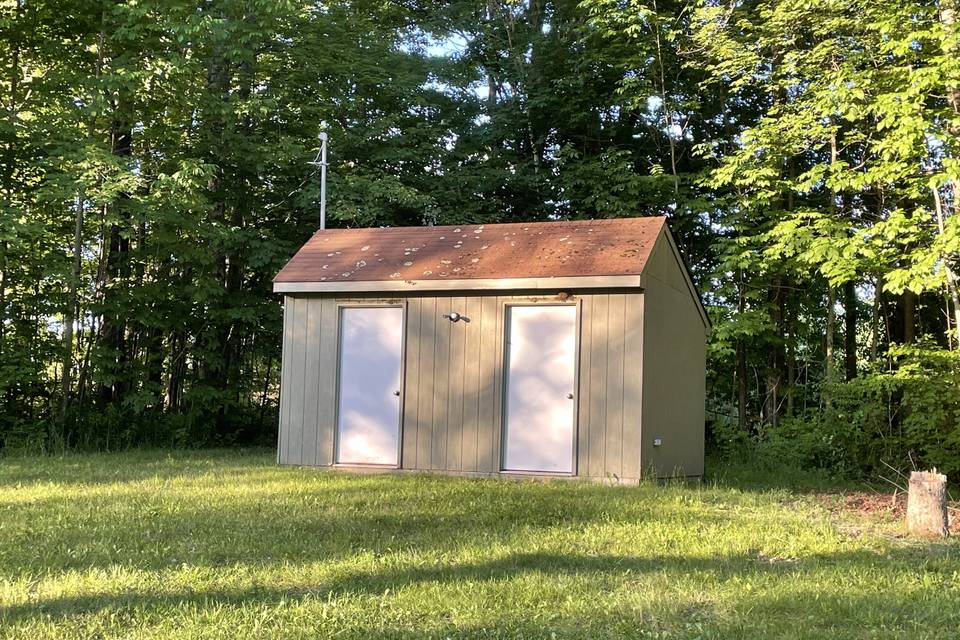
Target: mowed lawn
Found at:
228, 545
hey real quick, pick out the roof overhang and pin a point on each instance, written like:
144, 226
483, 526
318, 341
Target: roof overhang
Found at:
472, 284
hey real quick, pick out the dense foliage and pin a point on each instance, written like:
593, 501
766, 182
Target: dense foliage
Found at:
155, 172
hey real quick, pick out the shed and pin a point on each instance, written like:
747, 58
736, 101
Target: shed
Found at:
563, 348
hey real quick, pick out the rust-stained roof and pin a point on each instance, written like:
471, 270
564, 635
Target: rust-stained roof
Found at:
560, 249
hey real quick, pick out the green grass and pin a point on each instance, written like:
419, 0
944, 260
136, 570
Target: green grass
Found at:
228, 545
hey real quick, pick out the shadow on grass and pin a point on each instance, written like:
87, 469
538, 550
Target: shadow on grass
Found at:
130, 466
328, 522
710, 569
309, 515
313, 517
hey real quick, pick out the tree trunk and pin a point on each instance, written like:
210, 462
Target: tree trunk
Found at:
3, 296
228, 195
664, 102
927, 504
117, 267
791, 358
875, 321
523, 55
83, 373
177, 369
850, 329
491, 80
741, 364
266, 388
774, 375
831, 319
948, 18
771, 412
741, 385
9, 164
70, 311
153, 359
951, 278
909, 317
828, 335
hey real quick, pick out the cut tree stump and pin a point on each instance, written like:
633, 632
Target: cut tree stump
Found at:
927, 504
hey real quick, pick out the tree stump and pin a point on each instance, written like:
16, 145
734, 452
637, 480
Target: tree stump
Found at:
927, 504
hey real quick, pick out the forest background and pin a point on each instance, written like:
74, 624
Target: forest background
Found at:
155, 173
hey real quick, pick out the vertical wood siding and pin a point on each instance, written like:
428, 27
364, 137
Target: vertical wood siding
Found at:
633, 344
455, 401
595, 396
441, 391
452, 416
308, 381
424, 385
675, 363
411, 399
611, 350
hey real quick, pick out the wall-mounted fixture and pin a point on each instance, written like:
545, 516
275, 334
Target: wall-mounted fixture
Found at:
453, 316
657, 442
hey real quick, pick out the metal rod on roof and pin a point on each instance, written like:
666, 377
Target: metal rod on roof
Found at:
323, 179
321, 160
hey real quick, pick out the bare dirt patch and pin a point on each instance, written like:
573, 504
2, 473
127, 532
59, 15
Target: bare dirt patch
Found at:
855, 511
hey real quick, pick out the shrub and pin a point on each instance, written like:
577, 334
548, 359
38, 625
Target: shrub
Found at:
906, 416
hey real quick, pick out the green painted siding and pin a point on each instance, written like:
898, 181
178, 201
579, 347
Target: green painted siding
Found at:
308, 384
453, 381
674, 370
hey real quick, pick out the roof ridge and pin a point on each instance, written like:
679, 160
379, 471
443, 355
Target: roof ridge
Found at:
539, 223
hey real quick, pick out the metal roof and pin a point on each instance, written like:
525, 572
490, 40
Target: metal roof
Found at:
536, 253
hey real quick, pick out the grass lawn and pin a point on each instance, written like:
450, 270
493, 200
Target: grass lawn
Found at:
228, 545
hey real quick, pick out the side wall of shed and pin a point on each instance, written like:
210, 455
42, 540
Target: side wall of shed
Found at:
453, 382
674, 385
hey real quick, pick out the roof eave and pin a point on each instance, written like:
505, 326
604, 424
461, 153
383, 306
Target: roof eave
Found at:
469, 284
688, 278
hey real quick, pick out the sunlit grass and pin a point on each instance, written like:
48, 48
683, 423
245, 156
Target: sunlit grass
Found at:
228, 545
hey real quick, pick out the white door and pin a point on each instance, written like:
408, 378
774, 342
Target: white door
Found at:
541, 379
371, 346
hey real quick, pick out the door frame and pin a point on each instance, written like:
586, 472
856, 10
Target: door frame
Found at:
505, 382
370, 304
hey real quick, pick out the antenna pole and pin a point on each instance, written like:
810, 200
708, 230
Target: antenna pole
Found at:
323, 180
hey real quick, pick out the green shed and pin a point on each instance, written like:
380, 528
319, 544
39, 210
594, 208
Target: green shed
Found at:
565, 348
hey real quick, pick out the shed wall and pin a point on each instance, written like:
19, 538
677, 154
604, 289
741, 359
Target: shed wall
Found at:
452, 393
308, 381
674, 368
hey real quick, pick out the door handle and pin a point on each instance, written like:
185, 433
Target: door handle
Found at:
569, 396
396, 393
